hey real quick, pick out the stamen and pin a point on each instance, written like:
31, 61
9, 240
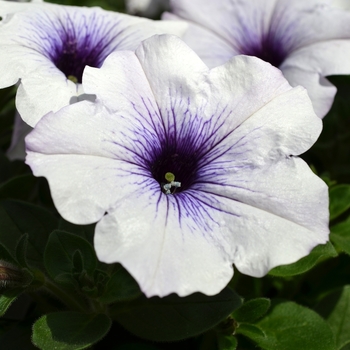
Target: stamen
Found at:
167, 187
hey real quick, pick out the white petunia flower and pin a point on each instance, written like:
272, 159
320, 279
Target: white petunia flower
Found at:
47, 47
307, 39
186, 170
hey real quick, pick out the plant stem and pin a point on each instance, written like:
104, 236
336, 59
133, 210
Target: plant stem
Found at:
72, 303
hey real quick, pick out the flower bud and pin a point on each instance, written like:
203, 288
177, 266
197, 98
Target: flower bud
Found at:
11, 276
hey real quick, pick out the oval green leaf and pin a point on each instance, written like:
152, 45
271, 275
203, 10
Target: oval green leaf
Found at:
120, 287
20, 187
61, 250
18, 218
69, 330
339, 200
252, 310
317, 255
174, 318
340, 236
7, 298
289, 326
335, 308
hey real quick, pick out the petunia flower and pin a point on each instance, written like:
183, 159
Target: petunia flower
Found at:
186, 171
47, 47
307, 39
146, 8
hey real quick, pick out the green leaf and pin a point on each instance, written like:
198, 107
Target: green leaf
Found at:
226, 342
317, 255
137, 346
339, 200
250, 331
21, 250
174, 318
84, 231
289, 326
252, 310
7, 298
120, 287
20, 187
6, 256
335, 308
61, 251
69, 330
18, 218
340, 236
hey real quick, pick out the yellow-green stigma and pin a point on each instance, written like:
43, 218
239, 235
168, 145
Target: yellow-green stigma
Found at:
169, 177
72, 78
167, 188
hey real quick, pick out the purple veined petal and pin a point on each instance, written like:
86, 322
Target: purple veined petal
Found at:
237, 195
58, 42
274, 31
163, 246
97, 164
190, 84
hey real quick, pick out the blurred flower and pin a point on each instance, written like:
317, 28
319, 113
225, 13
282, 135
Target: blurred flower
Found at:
146, 8
17, 146
186, 171
47, 47
307, 40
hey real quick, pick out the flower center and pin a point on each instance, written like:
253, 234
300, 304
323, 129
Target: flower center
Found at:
268, 49
72, 57
175, 170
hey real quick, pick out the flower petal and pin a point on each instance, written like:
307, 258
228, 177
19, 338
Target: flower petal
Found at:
309, 65
159, 241
220, 50
86, 165
188, 89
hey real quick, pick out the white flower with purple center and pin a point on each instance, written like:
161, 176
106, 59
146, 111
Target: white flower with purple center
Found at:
186, 171
307, 39
47, 47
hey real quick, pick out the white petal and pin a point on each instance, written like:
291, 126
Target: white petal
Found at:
189, 90
211, 48
43, 91
260, 239
88, 167
309, 65
121, 85
160, 242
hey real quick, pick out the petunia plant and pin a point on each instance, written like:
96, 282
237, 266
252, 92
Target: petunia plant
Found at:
168, 160
171, 196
